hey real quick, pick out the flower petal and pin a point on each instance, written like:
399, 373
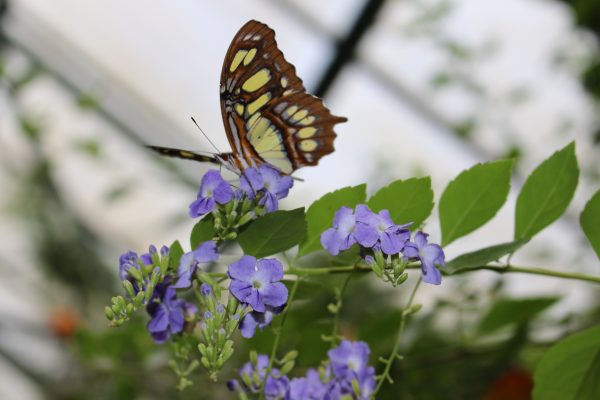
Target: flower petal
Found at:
421, 239
160, 321
243, 269
206, 252
201, 206
274, 294
269, 269
241, 290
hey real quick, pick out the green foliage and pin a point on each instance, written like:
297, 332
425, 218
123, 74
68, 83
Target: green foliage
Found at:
482, 256
408, 200
510, 312
570, 369
546, 193
319, 215
273, 233
204, 230
473, 198
175, 253
590, 222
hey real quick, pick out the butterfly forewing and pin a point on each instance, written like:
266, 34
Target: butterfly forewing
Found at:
268, 115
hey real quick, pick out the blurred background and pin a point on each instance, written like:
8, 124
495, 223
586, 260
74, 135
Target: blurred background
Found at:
430, 87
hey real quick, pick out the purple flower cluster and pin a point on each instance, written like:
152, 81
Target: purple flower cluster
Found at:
267, 184
264, 184
213, 190
348, 363
168, 312
189, 262
136, 269
377, 233
276, 385
256, 283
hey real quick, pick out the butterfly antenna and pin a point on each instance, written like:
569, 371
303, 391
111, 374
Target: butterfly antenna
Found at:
206, 136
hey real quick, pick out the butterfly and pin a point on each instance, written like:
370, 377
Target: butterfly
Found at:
268, 115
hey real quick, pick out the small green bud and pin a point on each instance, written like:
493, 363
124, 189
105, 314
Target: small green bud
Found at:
139, 299
413, 309
202, 349
333, 308
121, 302
232, 305
211, 352
287, 367
192, 367
356, 388
230, 236
402, 278
247, 380
221, 337
148, 292
129, 309
290, 356
135, 274
109, 313
253, 358
226, 354
245, 219
129, 289
232, 217
205, 362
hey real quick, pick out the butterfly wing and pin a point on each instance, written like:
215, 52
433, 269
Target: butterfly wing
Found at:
185, 154
268, 115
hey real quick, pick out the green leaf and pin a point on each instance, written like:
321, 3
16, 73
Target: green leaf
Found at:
508, 312
175, 253
546, 193
590, 222
570, 369
273, 233
407, 201
473, 198
201, 232
319, 215
482, 256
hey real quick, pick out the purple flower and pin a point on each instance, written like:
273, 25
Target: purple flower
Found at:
372, 229
213, 189
206, 289
168, 312
341, 236
205, 253
309, 387
349, 361
267, 181
256, 319
349, 358
256, 282
276, 385
430, 255
127, 261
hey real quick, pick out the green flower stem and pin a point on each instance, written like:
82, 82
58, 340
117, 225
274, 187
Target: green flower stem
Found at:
501, 269
336, 318
504, 269
278, 336
394, 354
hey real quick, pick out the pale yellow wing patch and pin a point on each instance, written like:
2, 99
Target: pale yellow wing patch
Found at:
256, 81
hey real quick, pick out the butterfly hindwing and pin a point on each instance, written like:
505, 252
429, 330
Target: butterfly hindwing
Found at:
268, 116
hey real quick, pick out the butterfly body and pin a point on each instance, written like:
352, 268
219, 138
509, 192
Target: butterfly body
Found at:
267, 114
